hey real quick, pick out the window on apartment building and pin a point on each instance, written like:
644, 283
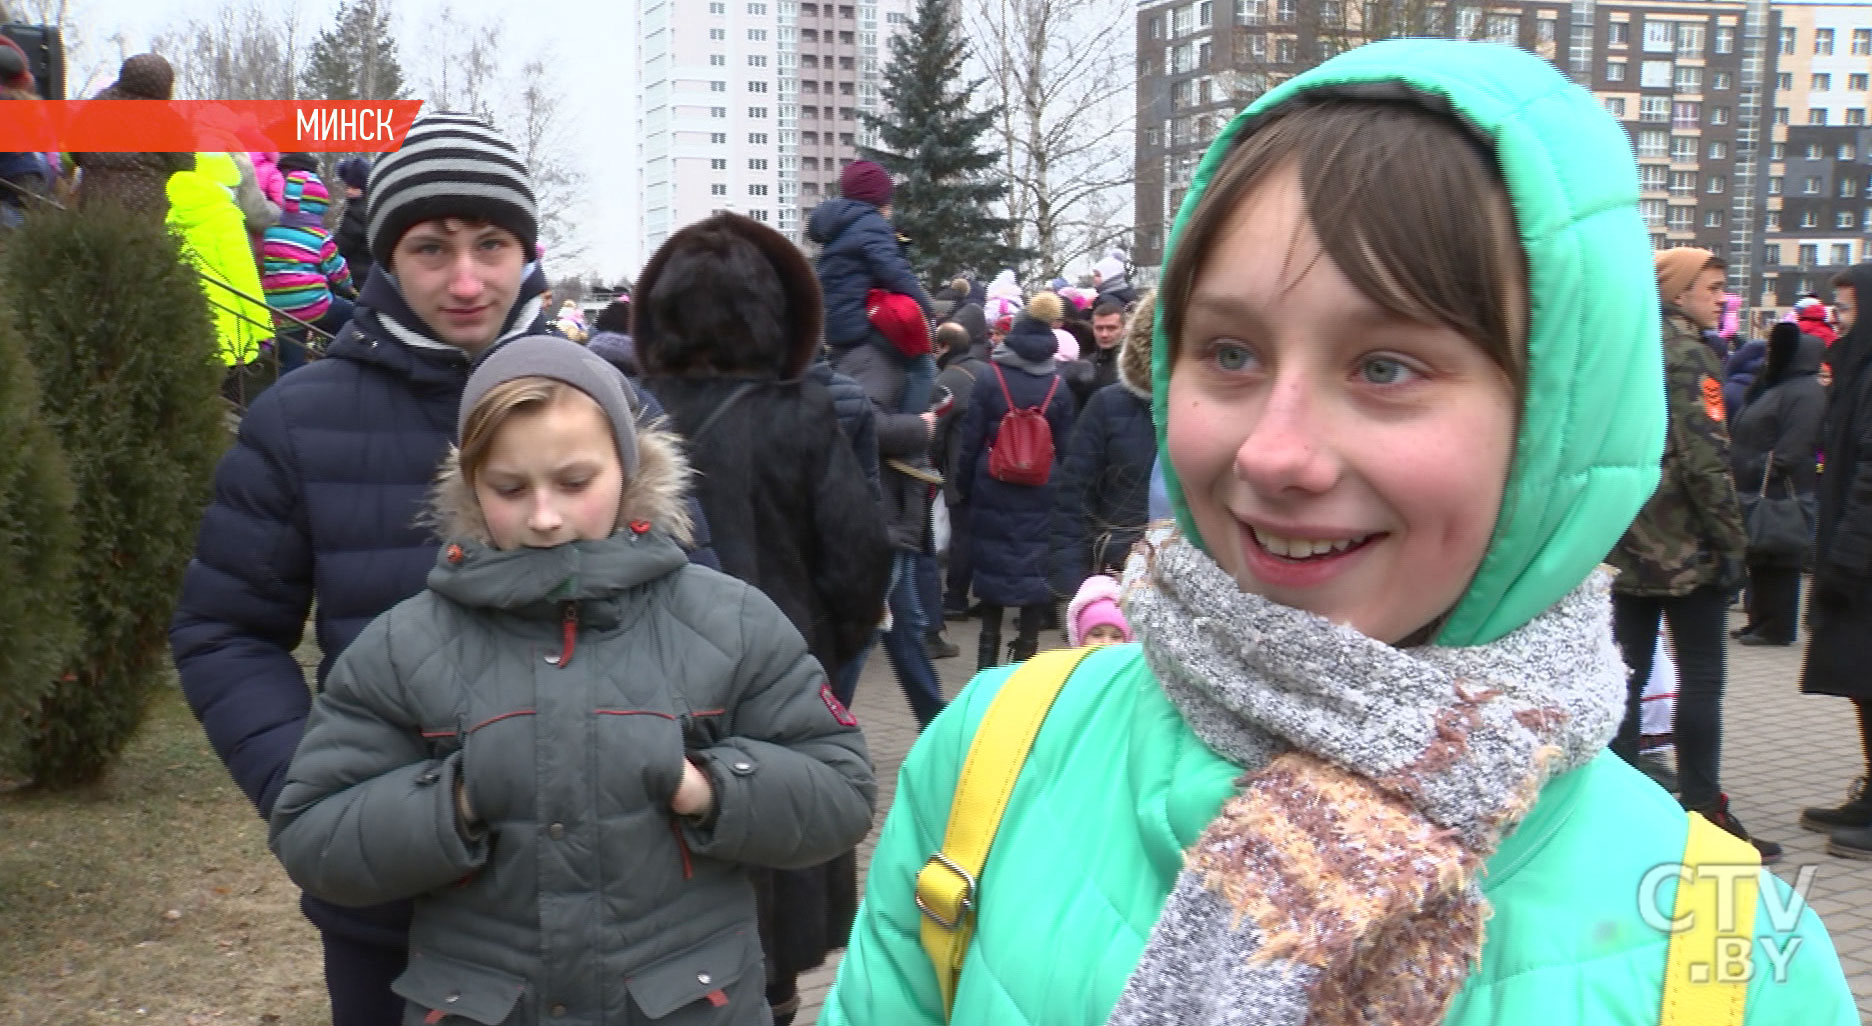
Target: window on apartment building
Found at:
1659, 36
809, 87
718, 189
1654, 75
1777, 151
809, 60
1857, 83
847, 114
1251, 12
718, 87
758, 214
1688, 80
810, 139
1150, 137
1681, 219
1615, 71
1772, 221
757, 9
718, 8
1810, 186
1503, 28
718, 34
845, 64
1716, 185
1771, 255
1205, 13
1618, 33
1654, 108
1848, 188
1652, 177
1182, 94
1653, 143
809, 10
717, 60
757, 112
757, 138
1774, 185
1787, 41
1204, 50
1823, 42
1683, 183
1810, 219
718, 138
1847, 151
718, 112
1683, 148
1468, 22
1615, 106
1183, 20
1784, 82
757, 164
1713, 218
1718, 150
1332, 12
809, 188
1157, 27
846, 38
1842, 251
898, 18
757, 190
1258, 49
1286, 51
1816, 115
1809, 254
1686, 114
1719, 81
1855, 115
1546, 30
1285, 11
1718, 114
1690, 38
718, 163
757, 87
757, 35
1780, 115
1862, 42
1725, 38
809, 113
1822, 82
756, 60
1653, 211
845, 139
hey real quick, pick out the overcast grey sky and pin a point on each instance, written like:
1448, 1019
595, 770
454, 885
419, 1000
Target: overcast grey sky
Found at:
590, 45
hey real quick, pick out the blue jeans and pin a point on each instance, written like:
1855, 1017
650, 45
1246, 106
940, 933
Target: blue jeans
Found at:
845, 679
919, 382
903, 643
929, 591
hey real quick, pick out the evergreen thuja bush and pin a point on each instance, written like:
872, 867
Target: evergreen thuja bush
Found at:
37, 544
119, 331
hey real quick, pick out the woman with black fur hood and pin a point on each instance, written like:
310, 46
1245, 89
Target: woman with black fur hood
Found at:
1774, 449
726, 319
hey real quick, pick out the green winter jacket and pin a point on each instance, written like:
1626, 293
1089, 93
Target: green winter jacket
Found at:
1693, 524
563, 687
1117, 786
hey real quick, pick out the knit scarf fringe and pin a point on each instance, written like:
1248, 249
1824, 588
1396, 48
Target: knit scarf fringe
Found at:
1340, 885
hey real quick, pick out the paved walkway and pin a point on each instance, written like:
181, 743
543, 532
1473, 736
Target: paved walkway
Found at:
1782, 750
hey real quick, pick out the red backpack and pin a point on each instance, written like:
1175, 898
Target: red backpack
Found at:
1022, 452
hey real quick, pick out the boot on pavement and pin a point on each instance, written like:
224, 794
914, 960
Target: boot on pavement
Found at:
1851, 844
1855, 814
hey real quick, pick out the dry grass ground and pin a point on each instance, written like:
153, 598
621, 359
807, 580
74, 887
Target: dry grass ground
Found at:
151, 898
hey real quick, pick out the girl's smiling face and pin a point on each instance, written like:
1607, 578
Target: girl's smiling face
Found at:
551, 475
1335, 457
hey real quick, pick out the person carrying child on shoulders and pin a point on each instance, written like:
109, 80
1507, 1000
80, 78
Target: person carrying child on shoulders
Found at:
572, 746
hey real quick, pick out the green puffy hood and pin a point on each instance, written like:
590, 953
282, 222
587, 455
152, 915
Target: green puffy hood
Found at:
1593, 419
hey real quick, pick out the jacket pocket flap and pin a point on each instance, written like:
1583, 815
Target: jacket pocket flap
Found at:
694, 973
454, 987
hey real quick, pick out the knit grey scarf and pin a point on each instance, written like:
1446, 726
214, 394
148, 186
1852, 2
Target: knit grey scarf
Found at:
1340, 885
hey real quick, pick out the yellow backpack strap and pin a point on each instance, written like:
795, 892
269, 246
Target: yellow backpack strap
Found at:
1703, 981
949, 883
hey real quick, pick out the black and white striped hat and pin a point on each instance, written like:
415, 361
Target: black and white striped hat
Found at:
450, 165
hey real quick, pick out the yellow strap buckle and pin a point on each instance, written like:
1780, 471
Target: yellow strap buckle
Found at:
962, 903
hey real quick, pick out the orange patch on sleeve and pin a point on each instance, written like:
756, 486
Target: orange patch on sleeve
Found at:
1712, 398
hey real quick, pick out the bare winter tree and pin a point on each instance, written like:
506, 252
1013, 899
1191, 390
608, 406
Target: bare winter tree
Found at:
1063, 70
463, 64
243, 50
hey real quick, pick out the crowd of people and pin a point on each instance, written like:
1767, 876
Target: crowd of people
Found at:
1328, 507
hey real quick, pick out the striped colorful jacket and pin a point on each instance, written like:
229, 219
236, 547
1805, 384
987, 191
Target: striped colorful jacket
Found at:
301, 267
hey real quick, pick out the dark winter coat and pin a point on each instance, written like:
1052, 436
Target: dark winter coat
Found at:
568, 685
1009, 524
1739, 372
795, 518
856, 421
319, 497
858, 252
959, 373
353, 241
1840, 609
1102, 500
900, 436
1784, 421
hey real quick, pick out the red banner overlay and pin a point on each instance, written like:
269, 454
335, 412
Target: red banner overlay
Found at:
205, 126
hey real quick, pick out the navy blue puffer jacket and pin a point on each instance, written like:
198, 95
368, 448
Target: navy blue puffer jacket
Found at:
320, 495
1009, 524
1102, 499
858, 253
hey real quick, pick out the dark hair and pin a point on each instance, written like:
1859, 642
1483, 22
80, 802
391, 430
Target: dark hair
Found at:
1842, 280
1784, 340
614, 317
1107, 308
1407, 204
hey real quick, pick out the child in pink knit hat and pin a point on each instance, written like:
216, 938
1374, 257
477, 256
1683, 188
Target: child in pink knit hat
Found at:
1093, 617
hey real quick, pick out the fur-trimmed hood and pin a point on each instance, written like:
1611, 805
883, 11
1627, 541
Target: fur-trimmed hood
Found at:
658, 495
1134, 356
804, 311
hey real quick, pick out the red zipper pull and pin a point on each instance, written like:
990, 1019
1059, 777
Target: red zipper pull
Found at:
569, 632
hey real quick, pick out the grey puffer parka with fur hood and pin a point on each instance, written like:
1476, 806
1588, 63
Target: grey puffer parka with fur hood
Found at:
563, 687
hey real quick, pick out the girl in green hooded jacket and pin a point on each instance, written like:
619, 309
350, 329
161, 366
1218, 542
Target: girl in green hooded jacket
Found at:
1408, 395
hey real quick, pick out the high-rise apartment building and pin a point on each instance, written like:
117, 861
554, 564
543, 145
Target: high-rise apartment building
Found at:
753, 105
1747, 118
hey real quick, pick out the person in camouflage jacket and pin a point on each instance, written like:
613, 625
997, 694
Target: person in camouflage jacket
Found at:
1683, 557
